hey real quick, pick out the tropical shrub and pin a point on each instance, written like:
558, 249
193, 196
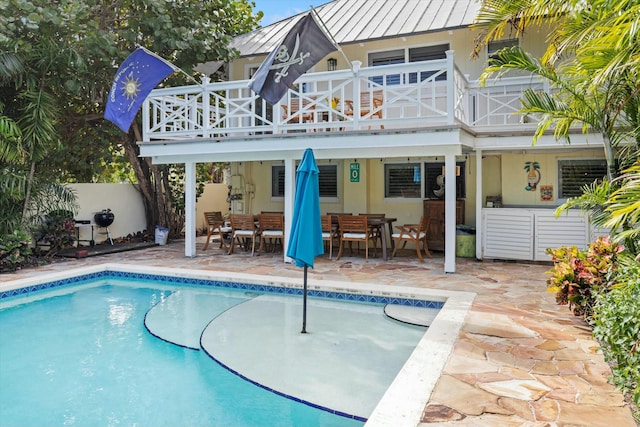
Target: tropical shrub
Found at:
58, 231
15, 250
616, 324
577, 275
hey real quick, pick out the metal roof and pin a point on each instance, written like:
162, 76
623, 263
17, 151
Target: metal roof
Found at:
352, 21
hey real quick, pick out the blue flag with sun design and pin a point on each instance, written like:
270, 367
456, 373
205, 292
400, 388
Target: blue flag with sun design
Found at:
135, 79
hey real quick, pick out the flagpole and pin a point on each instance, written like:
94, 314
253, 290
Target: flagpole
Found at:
175, 67
328, 33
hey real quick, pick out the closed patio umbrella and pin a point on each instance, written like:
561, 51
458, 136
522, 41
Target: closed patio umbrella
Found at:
305, 238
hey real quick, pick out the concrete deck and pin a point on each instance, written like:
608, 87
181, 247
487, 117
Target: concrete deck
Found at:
520, 359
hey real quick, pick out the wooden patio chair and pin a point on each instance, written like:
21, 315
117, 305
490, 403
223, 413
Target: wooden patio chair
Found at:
376, 229
328, 232
370, 104
295, 114
243, 228
215, 225
271, 227
414, 233
354, 228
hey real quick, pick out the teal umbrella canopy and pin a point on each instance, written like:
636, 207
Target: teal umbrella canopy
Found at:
305, 237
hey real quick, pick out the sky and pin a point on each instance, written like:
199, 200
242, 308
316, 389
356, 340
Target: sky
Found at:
276, 10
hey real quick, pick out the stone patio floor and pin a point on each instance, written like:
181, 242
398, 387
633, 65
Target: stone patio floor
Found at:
520, 360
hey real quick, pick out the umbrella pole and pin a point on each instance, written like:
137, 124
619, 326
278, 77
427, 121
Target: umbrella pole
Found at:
304, 302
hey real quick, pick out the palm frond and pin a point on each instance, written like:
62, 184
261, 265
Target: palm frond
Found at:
593, 200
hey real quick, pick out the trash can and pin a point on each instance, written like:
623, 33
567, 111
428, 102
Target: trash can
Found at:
162, 234
465, 241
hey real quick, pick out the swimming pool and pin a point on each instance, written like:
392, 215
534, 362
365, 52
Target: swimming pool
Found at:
394, 401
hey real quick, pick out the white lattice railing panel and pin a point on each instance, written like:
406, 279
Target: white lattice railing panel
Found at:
408, 95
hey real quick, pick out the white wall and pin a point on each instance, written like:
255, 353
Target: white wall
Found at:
214, 198
124, 201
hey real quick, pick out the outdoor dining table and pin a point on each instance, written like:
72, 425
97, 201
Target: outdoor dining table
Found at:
380, 222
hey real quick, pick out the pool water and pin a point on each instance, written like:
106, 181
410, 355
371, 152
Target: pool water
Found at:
85, 358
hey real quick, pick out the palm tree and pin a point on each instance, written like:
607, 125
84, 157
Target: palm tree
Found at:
624, 208
26, 138
591, 63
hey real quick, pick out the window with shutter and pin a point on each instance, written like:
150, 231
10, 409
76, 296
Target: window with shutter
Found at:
495, 45
427, 53
400, 56
402, 180
277, 180
387, 58
575, 174
327, 181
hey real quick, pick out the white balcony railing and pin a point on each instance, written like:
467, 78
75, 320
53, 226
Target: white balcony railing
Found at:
412, 95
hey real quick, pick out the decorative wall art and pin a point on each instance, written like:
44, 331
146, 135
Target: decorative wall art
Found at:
533, 175
546, 193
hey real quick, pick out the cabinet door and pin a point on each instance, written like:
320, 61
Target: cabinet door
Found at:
434, 209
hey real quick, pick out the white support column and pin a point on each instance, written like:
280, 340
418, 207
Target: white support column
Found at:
190, 209
450, 214
451, 88
355, 66
289, 194
205, 117
479, 204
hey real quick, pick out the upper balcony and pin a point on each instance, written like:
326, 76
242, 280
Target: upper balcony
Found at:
412, 95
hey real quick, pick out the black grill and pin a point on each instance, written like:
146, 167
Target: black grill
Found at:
104, 218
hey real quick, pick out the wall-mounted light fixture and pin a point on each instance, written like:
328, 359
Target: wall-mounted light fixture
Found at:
457, 170
332, 64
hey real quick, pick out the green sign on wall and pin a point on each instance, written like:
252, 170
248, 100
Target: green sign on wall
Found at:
354, 169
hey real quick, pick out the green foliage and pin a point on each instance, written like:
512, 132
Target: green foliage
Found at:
577, 275
616, 324
614, 205
176, 178
58, 231
57, 63
603, 285
15, 250
624, 208
590, 63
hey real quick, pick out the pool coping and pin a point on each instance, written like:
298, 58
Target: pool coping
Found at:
405, 399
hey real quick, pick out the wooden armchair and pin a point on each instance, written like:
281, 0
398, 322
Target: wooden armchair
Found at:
215, 225
370, 105
328, 232
354, 228
294, 114
243, 228
271, 227
413, 233
376, 229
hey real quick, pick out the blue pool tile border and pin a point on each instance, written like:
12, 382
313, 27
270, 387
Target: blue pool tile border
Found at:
177, 280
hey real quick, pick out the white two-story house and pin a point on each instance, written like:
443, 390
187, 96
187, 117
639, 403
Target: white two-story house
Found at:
399, 125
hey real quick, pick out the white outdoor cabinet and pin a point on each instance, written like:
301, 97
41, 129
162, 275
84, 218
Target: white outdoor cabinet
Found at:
526, 233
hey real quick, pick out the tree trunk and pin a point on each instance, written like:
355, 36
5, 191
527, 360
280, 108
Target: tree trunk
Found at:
27, 196
155, 195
